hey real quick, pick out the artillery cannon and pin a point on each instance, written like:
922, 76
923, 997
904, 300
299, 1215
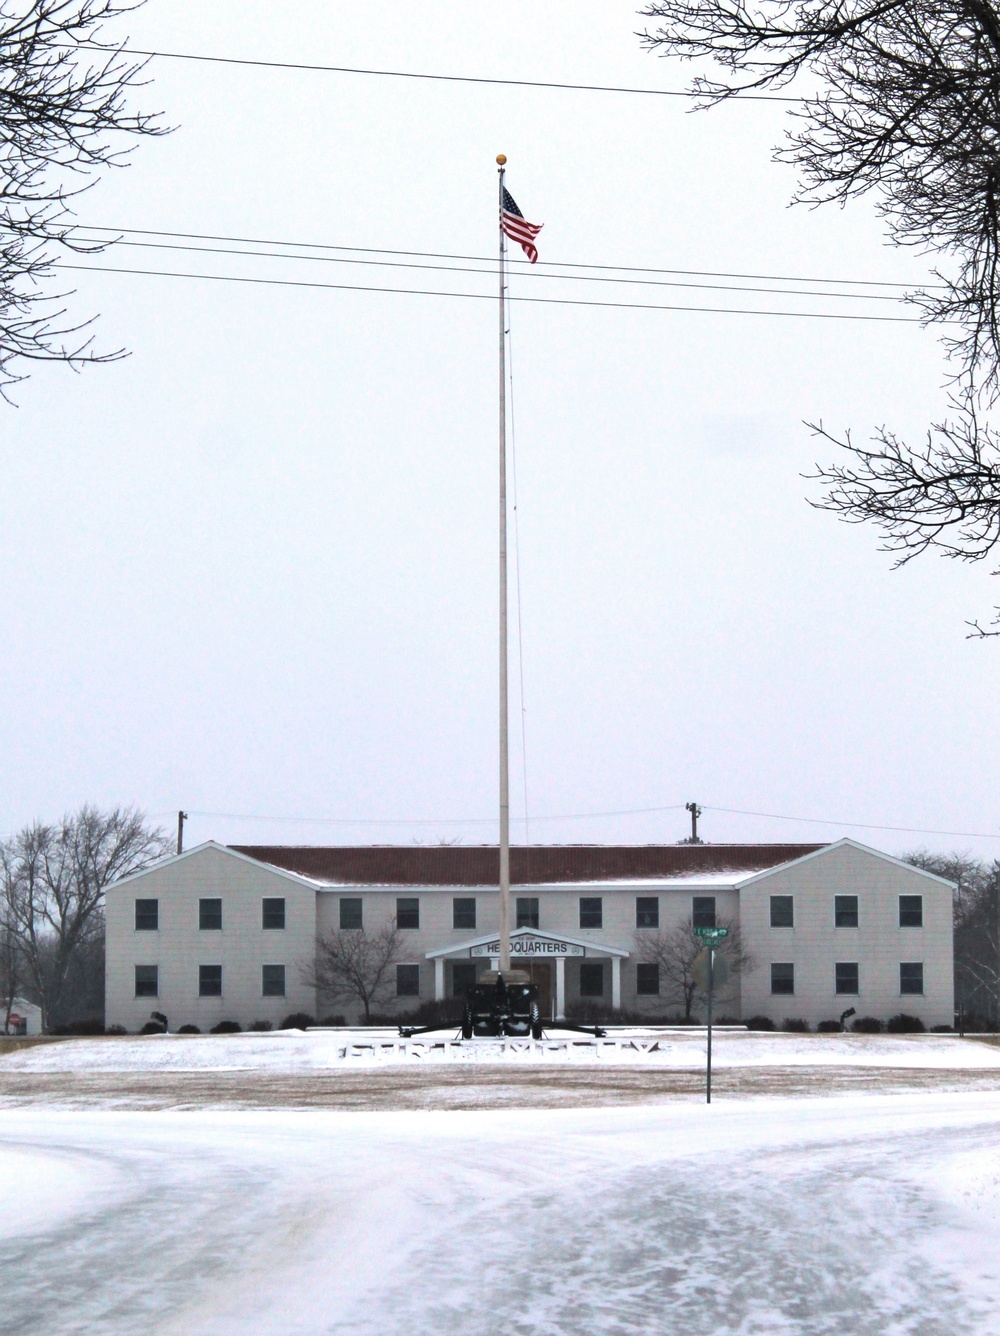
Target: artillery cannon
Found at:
505, 1005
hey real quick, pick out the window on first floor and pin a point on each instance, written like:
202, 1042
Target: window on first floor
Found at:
407, 980
647, 980
209, 980
147, 915
703, 911
782, 911
846, 976
463, 977
273, 912
350, 914
783, 978
147, 980
210, 915
591, 911
911, 911
463, 912
592, 978
845, 911
526, 911
911, 977
647, 911
407, 911
272, 981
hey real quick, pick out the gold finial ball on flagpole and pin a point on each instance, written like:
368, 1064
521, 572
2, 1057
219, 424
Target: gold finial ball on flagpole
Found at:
501, 158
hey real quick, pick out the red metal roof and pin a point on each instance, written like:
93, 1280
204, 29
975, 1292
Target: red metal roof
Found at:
479, 865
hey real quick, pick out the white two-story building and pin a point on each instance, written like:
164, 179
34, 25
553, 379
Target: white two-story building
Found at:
229, 933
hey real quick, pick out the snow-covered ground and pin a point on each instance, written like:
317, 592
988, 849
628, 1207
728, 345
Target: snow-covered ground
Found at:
875, 1216
295, 1051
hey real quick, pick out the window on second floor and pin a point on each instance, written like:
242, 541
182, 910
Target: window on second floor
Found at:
350, 914
911, 911
407, 911
782, 911
210, 915
273, 912
526, 911
463, 912
647, 911
703, 911
147, 915
591, 911
845, 911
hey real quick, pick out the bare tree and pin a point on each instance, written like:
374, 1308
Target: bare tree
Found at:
63, 114
355, 964
54, 880
10, 955
976, 913
676, 949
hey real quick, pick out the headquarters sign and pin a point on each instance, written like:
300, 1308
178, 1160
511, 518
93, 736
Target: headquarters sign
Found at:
528, 947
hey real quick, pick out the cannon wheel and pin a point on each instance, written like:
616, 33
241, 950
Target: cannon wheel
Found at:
467, 1025
536, 1021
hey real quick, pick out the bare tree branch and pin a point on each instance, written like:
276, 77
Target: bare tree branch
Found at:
355, 964
675, 950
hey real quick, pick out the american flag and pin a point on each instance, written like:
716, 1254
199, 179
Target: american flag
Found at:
516, 226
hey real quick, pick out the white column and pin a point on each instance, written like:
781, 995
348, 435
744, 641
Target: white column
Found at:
439, 979
560, 988
616, 981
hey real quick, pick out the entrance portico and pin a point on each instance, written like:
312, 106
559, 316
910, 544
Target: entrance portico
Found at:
531, 946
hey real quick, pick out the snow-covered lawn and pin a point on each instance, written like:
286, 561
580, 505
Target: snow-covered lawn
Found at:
875, 1216
295, 1051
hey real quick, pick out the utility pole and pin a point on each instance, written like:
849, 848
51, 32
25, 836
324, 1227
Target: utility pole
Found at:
695, 811
504, 963
181, 818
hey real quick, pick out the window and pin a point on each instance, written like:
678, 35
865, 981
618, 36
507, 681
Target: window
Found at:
647, 911
845, 911
147, 979
350, 914
592, 979
210, 915
647, 980
147, 915
783, 978
847, 977
911, 977
209, 980
407, 912
407, 980
591, 912
782, 911
272, 981
463, 976
911, 911
273, 913
463, 913
703, 911
527, 911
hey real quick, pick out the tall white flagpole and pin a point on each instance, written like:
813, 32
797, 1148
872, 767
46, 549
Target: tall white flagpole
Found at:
504, 759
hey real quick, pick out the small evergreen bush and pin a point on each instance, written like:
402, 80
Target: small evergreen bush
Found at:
829, 1027
795, 1025
189, 1029
298, 1020
759, 1023
152, 1027
904, 1024
116, 1029
333, 1020
226, 1027
260, 1027
867, 1025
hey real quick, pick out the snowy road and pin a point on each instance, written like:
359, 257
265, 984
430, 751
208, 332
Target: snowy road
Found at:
873, 1216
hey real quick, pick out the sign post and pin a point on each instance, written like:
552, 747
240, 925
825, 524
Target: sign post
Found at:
711, 937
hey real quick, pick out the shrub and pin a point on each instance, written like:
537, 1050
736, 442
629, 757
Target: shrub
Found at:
298, 1020
116, 1029
152, 1027
795, 1025
260, 1027
904, 1024
333, 1020
942, 1029
723, 1020
189, 1029
829, 1027
759, 1023
226, 1027
867, 1025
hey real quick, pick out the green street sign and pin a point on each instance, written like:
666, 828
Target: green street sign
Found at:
712, 934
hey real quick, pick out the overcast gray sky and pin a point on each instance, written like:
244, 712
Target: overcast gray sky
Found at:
252, 569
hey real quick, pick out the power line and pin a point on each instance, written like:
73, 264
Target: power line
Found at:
490, 259
460, 269
858, 825
482, 296
412, 74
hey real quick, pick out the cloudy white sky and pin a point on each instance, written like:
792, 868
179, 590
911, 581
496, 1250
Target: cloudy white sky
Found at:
252, 569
